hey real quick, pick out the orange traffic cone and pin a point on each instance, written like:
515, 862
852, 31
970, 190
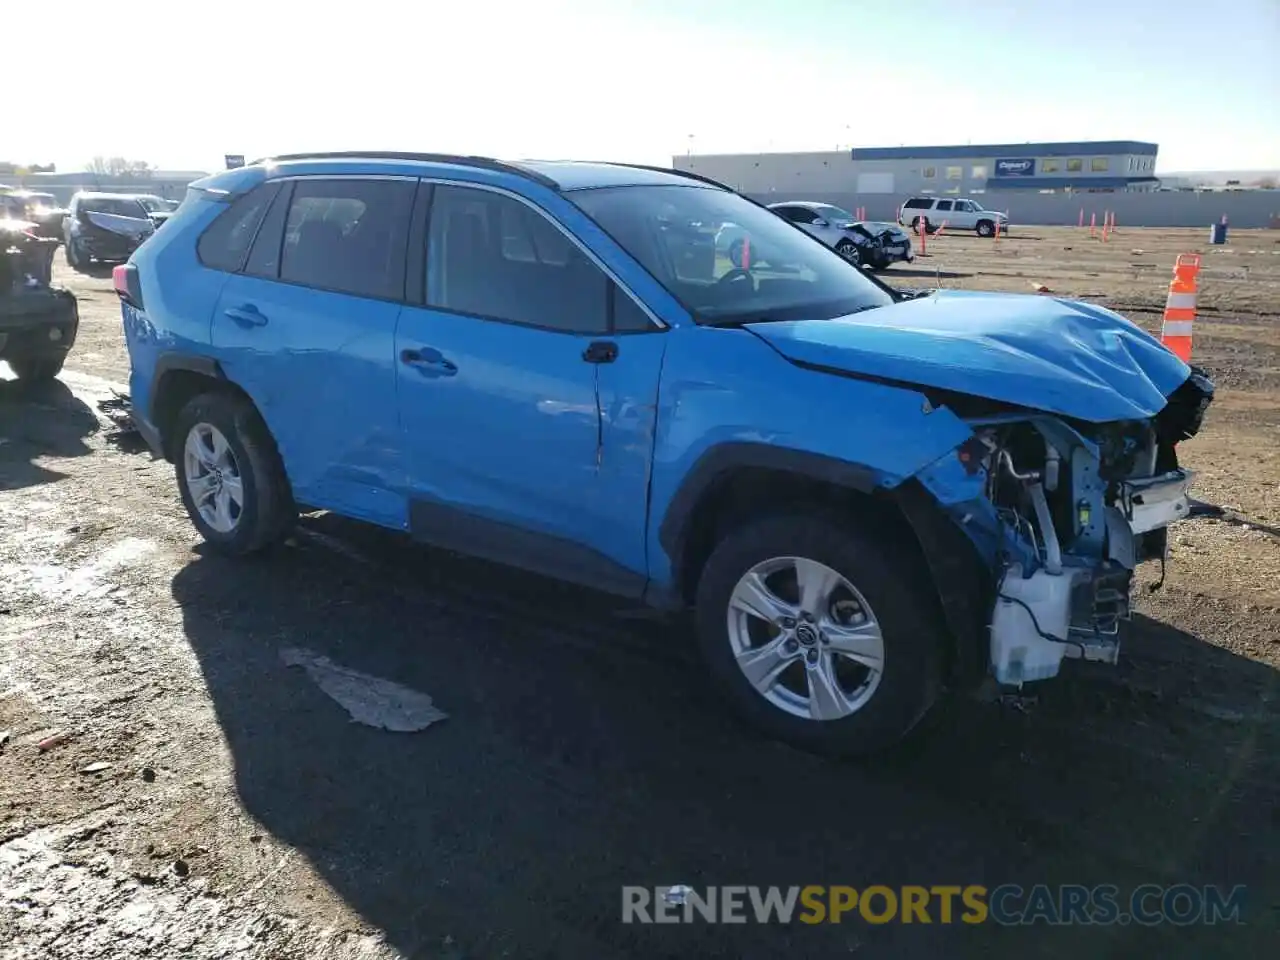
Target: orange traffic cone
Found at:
1180, 308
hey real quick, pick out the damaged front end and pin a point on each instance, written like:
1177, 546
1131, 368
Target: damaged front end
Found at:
1060, 512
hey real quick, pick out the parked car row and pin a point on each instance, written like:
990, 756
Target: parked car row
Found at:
106, 227
639, 380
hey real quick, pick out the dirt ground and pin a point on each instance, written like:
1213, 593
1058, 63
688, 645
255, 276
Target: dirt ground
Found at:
203, 792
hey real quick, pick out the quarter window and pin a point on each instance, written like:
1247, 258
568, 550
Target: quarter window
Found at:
225, 242
348, 236
495, 257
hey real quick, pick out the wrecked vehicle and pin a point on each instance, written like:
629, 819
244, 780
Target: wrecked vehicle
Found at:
872, 244
38, 323
864, 496
104, 226
40, 209
158, 208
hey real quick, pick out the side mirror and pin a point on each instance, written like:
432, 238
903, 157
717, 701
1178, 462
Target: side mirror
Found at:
819, 222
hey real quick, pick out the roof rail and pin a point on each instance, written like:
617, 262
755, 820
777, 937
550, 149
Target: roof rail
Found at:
486, 163
679, 173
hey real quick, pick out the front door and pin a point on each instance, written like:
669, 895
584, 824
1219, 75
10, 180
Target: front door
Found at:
501, 396
308, 331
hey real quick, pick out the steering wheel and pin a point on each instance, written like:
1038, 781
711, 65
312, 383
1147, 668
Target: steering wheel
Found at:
734, 275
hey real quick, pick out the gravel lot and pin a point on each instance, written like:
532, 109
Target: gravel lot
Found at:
243, 813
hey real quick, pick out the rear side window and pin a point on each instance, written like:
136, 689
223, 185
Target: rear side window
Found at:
226, 241
918, 203
348, 235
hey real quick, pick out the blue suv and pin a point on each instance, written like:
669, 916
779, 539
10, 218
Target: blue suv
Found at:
864, 496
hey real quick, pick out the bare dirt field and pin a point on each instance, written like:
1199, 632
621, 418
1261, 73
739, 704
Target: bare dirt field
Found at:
179, 777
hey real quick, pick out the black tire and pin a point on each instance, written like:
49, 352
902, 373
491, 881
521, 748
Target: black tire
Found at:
894, 585
268, 510
73, 256
36, 369
849, 250
986, 228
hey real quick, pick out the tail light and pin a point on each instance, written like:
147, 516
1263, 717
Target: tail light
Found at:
127, 286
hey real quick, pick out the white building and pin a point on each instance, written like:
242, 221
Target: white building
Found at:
1084, 166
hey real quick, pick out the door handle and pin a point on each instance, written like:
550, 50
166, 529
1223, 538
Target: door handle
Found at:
429, 361
247, 315
600, 351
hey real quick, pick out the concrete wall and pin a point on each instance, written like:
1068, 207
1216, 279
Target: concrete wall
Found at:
1253, 208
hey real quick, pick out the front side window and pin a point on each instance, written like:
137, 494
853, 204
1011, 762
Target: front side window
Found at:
727, 260
225, 242
801, 215
493, 256
348, 235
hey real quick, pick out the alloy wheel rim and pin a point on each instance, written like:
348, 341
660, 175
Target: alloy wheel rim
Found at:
805, 638
213, 478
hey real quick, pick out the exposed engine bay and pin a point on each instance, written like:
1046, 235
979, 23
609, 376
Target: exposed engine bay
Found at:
1076, 507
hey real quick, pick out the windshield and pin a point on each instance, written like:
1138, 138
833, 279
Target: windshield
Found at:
833, 214
120, 206
726, 259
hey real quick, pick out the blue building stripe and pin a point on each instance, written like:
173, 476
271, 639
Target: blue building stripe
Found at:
980, 150
1080, 182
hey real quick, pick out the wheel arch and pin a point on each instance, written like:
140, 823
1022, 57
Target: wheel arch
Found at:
735, 481
178, 378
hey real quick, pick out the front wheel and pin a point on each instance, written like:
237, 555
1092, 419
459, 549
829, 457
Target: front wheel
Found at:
75, 259
986, 228
849, 250
230, 476
820, 634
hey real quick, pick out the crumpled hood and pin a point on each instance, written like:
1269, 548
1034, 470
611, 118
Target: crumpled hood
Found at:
1061, 356
128, 226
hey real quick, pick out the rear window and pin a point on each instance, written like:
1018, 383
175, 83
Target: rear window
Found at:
918, 203
225, 243
118, 206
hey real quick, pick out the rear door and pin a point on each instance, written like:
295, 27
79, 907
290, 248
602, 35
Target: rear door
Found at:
308, 330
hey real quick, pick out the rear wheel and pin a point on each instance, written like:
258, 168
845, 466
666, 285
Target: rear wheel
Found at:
36, 369
820, 634
230, 475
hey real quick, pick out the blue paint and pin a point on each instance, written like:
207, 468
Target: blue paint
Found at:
375, 404
1060, 356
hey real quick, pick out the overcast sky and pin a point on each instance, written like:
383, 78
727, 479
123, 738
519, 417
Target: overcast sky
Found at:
180, 84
